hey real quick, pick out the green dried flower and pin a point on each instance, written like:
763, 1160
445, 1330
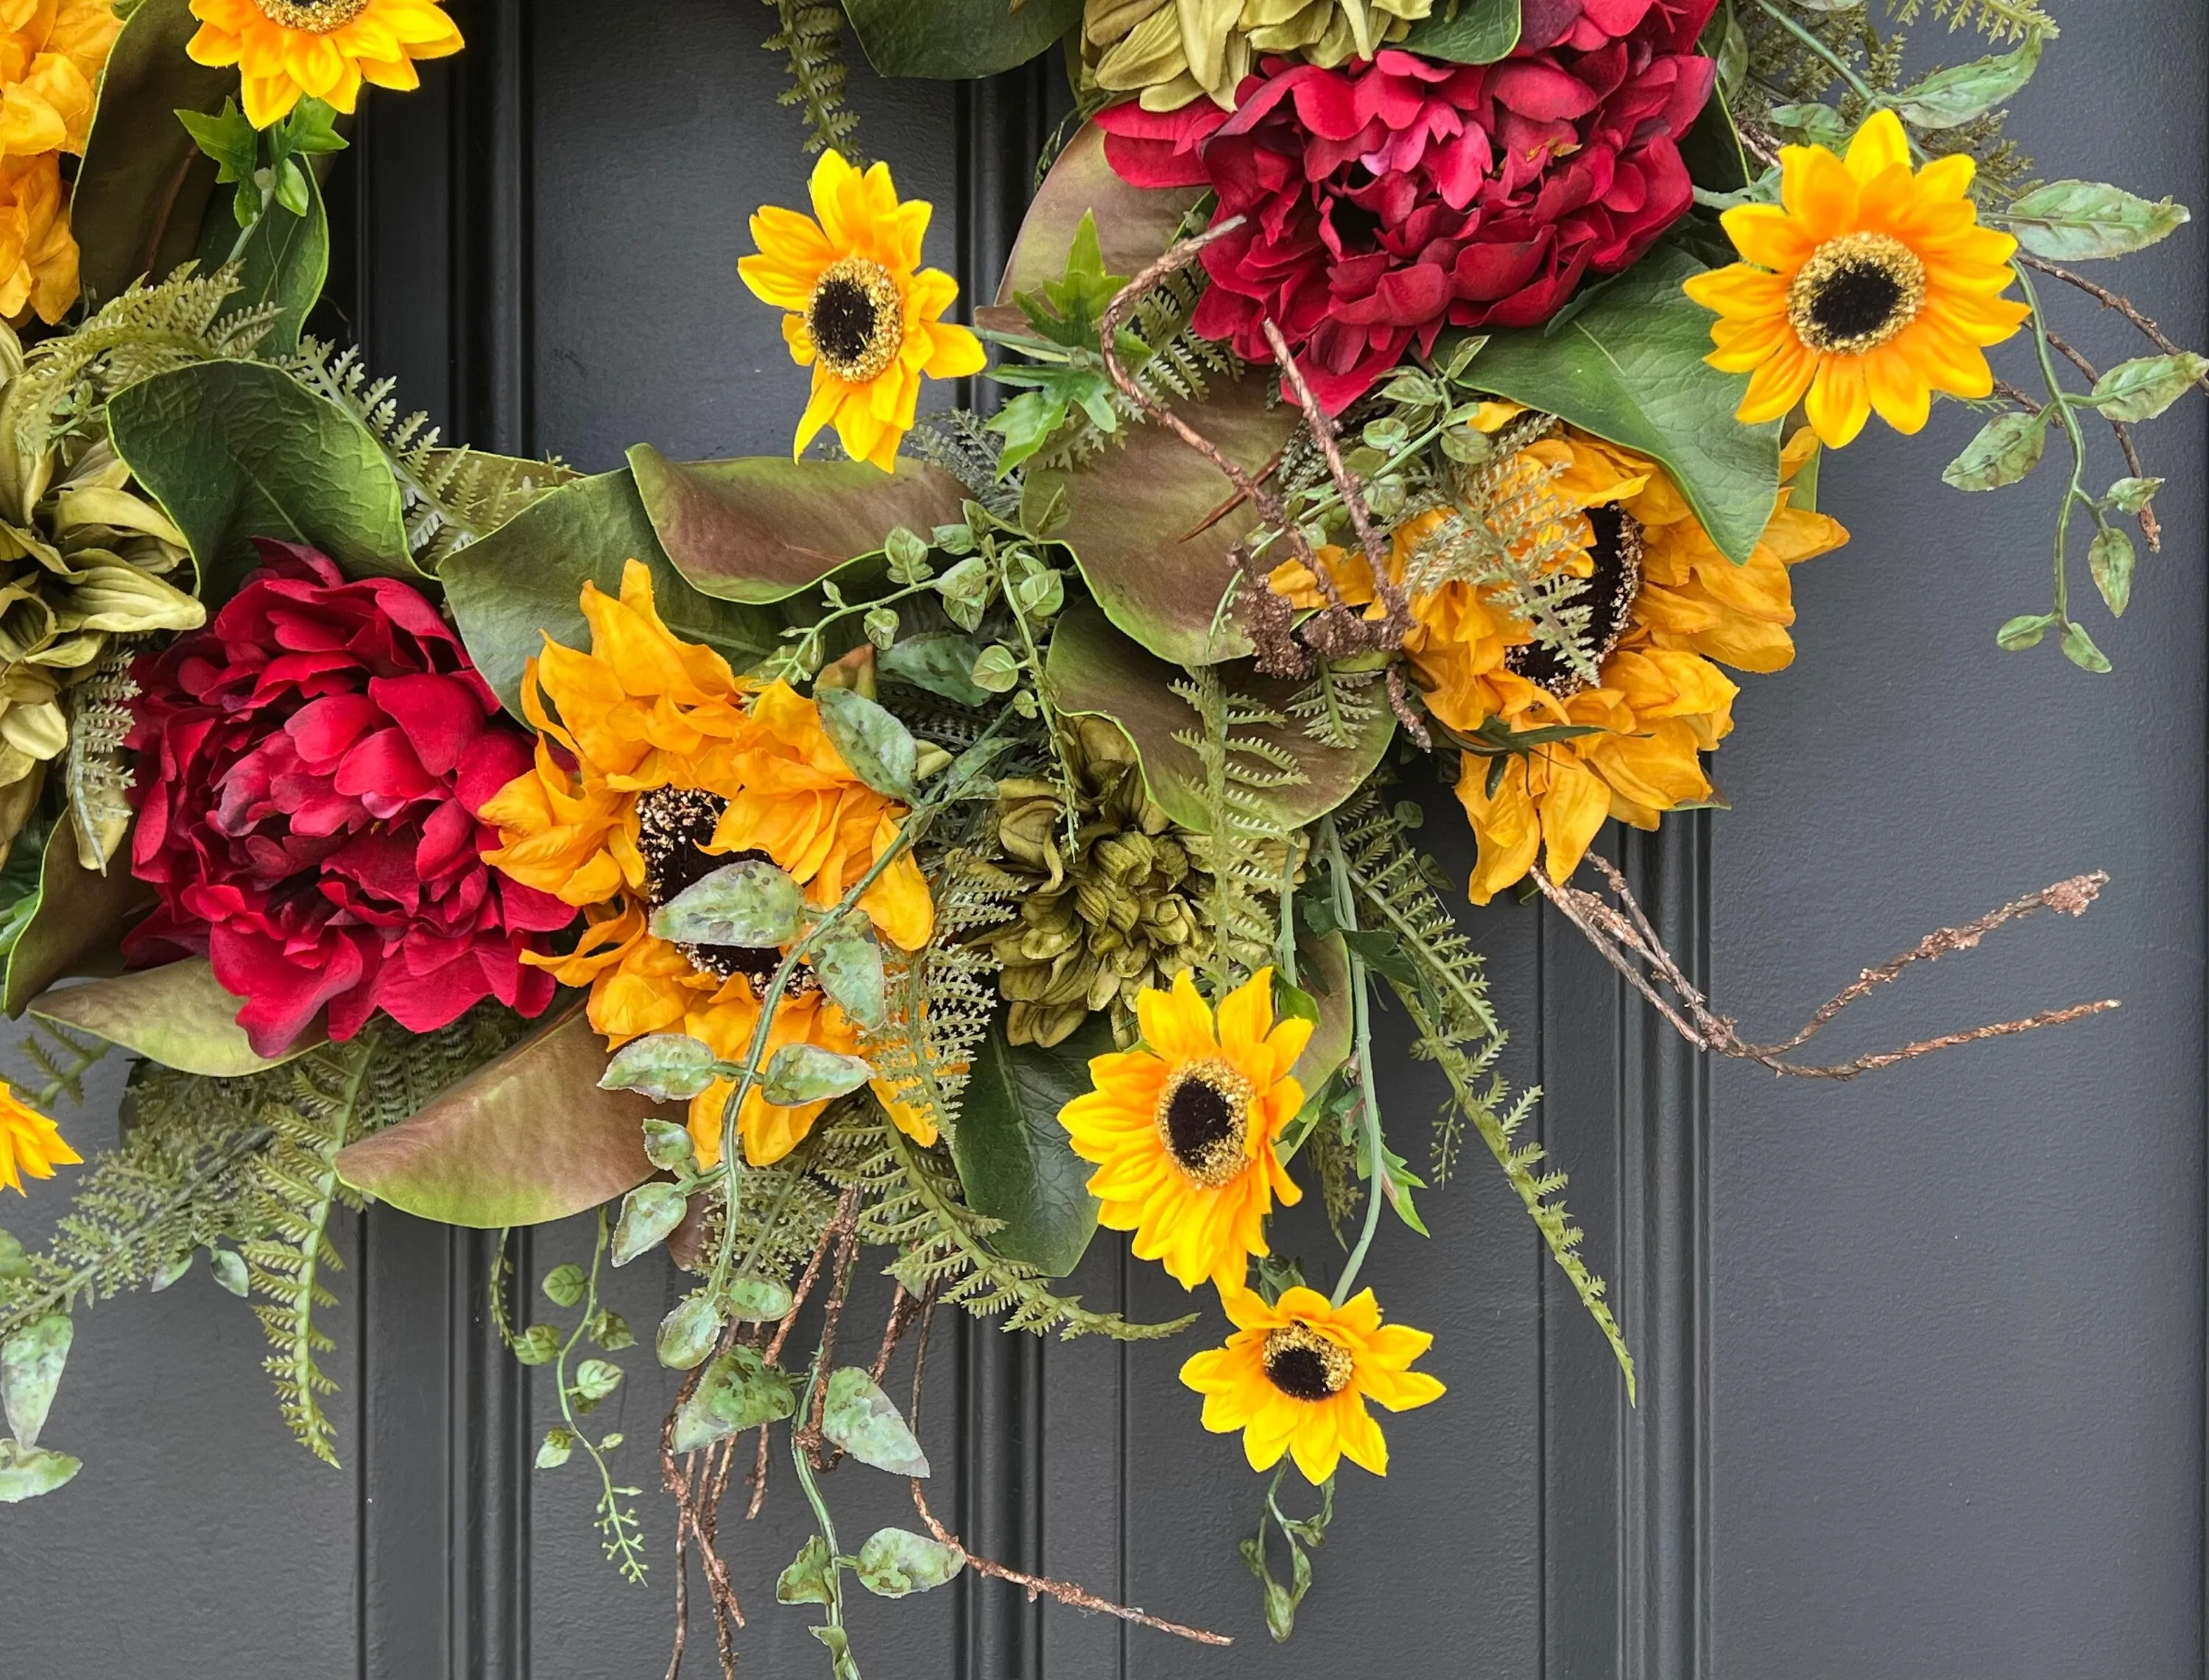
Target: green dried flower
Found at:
1172, 51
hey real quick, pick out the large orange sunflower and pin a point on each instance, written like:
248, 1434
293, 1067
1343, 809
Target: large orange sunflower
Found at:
1295, 1377
864, 316
51, 52
1666, 609
30, 1144
287, 49
1182, 1128
662, 766
1868, 286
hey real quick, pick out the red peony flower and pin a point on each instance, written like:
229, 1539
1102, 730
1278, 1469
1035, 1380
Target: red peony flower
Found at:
1386, 200
310, 765
1585, 25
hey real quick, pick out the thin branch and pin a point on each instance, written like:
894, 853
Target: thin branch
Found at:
1627, 941
2150, 528
2108, 299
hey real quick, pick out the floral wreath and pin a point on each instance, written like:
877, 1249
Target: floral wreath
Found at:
879, 846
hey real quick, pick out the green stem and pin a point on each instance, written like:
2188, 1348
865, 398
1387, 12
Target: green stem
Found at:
2075, 491
834, 1575
1820, 49
619, 1546
1345, 911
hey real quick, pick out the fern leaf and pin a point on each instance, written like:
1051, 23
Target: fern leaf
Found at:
812, 37
96, 775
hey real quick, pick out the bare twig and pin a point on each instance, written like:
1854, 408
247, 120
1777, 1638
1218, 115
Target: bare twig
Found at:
1035, 1586
1626, 939
2108, 299
905, 1307
2150, 528
845, 1231
773, 1351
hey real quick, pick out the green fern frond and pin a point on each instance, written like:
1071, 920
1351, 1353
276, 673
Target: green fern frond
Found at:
1339, 702
1248, 850
1999, 21
96, 775
452, 497
812, 36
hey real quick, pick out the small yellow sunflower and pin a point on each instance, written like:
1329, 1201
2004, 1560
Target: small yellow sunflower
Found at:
1182, 1127
1667, 607
863, 314
662, 766
29, 1143
325, 49
1869, 287
1295, 1377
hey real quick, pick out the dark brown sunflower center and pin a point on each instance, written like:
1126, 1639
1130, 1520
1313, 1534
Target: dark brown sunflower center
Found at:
674, 827
1204, 1117
1856, 293
1608, 594
857, 319
318, 17
1305, 1365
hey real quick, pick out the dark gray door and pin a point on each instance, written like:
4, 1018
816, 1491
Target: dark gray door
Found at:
1922, 1355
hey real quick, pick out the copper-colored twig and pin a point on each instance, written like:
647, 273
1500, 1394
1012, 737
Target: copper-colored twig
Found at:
1036, 1586
773, 1351
697, 1495
809, 1436
2108, 299
2150, 528
1627, 941
905, 1307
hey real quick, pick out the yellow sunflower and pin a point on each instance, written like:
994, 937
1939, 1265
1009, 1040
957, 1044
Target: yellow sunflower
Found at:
1868, 286
29, 1143
863, 314
285, 49
662, 766
1666, 608
1295, 1377
1182, 1127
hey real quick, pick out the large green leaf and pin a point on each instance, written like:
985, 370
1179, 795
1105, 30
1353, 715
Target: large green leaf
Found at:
1151, 524
143, 187
951, 40
80, 918
1323, 974
528, 1138
1014, 1159
1135, 225
1629, 367
236, 451
177, 1015
525, 581
761, 529
1096, 672
285, 261
1481, 31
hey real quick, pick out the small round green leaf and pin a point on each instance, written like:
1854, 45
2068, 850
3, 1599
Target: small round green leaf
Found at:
687, 1335
860, 1418
879, 750
540, 1345
801, 1074
751, 904
738, 1391
564, 1285
648, 1213
2006, 449
31, 1364
848, 963
666, 1067
27, 1472
667, 1145
805, 1581
558, 1443
895, 1562
758, 1300
595, 1379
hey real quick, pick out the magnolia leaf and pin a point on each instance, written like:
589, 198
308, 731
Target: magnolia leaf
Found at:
740, 1390
1015, 1162
937, 662
558, 1445
666, 1067
895, 1562
1135, 225
526, 1138
1629, 367
522, 583
285, 261
1953, 96
953, 40
878, 749
763, 528
757, 1300
751, 905
805, 1581
802, 1074
848, 963
2110, 560
2077, 221
650, 1211
142, 187
178, 1014
236, 451
687, 1334
860, 1418
1483, 32
27, 1472
31, 1364
76, 925
2006, 449
1096, 672
2142, 389
1323, 970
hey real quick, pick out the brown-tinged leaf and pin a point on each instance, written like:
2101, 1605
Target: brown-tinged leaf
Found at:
528, 1138
79, 922
177, 1015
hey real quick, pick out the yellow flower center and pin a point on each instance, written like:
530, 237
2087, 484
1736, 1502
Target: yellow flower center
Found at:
317, 17
1856, 293
1305, 1364
857, 319
1608, 594
674, 827
1204, 1117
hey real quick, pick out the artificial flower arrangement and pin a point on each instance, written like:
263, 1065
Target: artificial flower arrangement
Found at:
783, 857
